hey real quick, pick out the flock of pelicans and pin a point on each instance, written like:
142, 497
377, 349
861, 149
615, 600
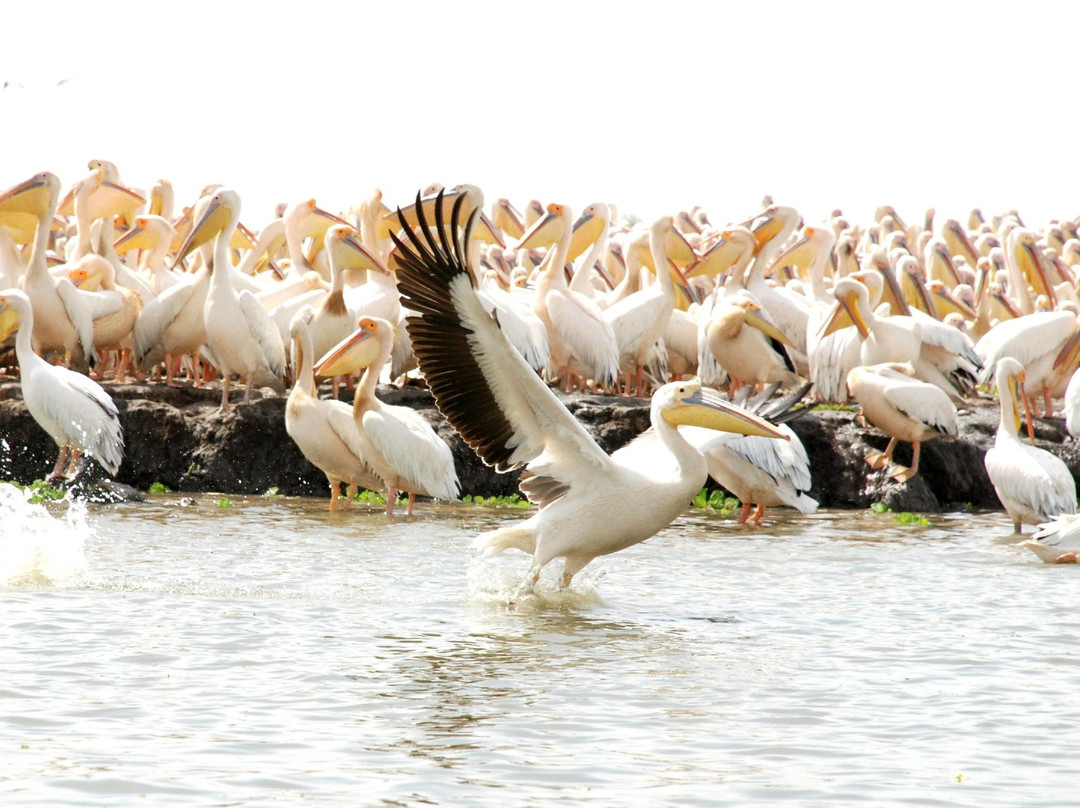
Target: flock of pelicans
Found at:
495, 308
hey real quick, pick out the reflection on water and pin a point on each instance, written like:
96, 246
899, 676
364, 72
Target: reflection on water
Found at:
273, 652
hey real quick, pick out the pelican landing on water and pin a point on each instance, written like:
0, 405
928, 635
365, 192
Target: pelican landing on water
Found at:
591, 503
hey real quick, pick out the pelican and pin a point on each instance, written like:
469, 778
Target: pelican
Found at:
239, 332
397, 443
324, 429
591, 504
905, 409
63, 322
579, 336
1057, 541
747, 344
1033, 485
76, 412
115, 309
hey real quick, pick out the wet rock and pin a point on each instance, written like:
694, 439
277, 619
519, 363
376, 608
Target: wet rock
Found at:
178, 437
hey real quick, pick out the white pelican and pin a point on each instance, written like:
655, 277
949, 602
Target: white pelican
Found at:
1040, 342
115, 309
1072, 405
640, 319
239, 332
73, 409
580, 340
591, 504
1057, 541
324, 429
62, 321
1032, 484
747, 344
905, 409
397, 443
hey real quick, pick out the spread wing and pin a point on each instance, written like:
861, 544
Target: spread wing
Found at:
481, 384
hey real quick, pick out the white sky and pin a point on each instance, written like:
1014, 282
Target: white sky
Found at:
652, 106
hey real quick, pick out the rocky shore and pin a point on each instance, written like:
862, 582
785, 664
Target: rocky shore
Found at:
177, 437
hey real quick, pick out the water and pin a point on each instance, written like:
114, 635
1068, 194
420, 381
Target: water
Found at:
273, 653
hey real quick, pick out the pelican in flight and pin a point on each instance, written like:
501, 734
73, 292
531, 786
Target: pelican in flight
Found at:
591, 504
324, 429
904, 408
76, 412
397, 443
1033, 485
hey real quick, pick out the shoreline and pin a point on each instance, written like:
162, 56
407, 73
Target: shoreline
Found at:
176, 436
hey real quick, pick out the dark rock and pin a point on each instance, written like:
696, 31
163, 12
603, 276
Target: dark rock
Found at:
178, 437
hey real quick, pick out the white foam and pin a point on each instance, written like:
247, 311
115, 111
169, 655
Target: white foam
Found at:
36, 547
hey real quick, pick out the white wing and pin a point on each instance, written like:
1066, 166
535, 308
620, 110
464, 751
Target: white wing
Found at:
158, 314
80, 315
264, 331
414, 449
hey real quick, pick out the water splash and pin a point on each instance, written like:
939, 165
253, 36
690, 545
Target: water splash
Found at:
36, 547
494, 583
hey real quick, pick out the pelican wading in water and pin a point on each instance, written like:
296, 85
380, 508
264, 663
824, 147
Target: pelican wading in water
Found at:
76, 412
591, 503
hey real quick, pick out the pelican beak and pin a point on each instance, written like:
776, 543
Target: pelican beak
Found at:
508, 219
846, 313
213, 221
706, 409
359, 256
1016, 391
1007, 304
950, 300
926, 302
544, 233
1035, 270
765, 230
587, 230
31, 196
754, 318
486, 232
9, 320
678, 249
798, 255
134, 239
892, 293
358, 350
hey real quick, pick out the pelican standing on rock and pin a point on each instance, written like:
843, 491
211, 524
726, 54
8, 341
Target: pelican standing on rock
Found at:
905, 409
239, 332
76, 412
324, 429
397, 443
1033, 485
591, 504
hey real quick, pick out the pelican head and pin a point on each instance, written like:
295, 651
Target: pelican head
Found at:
851, 299
688, 403
348, 252
14, 308
33, 196
1010, 378
222, 207
358, 350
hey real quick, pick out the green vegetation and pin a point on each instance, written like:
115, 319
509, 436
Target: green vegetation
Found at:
40, 491
225, 502
909, 518
827, 407
370, 497
511, 501
902, 518
272, 491
159, 488
716, 501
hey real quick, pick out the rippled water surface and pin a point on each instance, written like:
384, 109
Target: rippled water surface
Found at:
273, 653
